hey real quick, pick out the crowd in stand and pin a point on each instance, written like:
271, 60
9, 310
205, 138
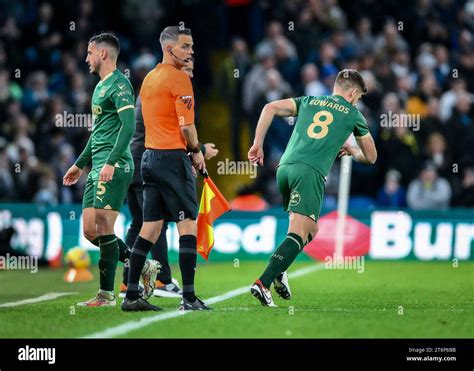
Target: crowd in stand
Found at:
417, 61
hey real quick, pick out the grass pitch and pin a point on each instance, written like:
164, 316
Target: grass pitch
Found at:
407, 299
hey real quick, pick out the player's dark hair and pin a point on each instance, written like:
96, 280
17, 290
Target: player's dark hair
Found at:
172, 33
108, 39
351, 78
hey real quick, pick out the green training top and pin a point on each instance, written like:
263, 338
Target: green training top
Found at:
113, 124
324, 124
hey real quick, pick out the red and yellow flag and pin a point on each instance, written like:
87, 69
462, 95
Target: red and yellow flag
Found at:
213, 205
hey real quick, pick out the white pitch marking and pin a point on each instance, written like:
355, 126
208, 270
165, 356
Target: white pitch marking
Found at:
142, 322
45, 297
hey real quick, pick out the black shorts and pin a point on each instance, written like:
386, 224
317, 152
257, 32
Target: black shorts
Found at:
169, 186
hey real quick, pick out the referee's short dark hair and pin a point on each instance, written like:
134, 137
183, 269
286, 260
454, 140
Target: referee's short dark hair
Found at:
348, 79
110, 40
171, 33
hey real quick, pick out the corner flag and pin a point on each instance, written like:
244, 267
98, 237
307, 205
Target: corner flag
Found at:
212, 206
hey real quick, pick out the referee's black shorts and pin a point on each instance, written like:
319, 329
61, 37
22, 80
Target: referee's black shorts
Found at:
169, 186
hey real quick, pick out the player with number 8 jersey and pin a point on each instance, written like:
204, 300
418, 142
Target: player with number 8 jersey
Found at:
320, 134
324, 124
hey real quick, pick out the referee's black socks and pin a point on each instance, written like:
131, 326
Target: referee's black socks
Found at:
140, 250
187, 264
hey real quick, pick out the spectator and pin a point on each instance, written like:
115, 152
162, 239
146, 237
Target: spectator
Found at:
25, 176
254, 85
465, 194
268, 46
443, 67
327, 63
399, 151
392, 194
459, 128
21, 139
44, 38
7, 184
287, 64
36, 93
438, 155
232, 73
48, 189
428, 191
430, 123
390, 40
310, 79
64, 161
362, 39
280, 131
449, 98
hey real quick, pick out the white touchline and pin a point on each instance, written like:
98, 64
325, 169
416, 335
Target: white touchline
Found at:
142, 322
45, 297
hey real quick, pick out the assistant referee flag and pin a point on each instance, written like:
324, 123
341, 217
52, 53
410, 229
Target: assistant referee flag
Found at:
213, 205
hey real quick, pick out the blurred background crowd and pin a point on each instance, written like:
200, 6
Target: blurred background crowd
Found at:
417, 58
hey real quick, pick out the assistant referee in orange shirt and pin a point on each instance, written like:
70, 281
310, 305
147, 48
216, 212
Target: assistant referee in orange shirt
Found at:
169, 186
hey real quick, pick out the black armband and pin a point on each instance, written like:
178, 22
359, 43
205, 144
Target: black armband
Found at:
197, 148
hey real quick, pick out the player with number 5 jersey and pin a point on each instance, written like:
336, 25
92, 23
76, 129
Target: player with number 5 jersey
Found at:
323, 126
108, 148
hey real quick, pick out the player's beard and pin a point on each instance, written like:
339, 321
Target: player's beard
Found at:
95, 70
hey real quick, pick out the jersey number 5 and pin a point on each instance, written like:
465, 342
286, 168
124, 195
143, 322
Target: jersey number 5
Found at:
323, 124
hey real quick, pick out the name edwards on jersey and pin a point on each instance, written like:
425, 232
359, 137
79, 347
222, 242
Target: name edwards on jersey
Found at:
327, 104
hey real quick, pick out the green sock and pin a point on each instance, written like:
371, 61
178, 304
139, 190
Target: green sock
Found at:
109, 255
282, 258
124, 250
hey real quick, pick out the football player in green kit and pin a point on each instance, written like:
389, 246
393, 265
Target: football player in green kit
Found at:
112, 166
324, 124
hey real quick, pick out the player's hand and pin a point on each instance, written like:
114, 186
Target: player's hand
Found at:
199, 162
211, 150
72, 175
256, 155
107, 173
347, 150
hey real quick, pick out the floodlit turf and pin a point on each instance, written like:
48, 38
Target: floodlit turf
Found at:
389, 299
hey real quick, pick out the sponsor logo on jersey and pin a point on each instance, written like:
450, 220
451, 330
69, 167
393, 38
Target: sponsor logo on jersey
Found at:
188, 101
96, 109
295, 198
122, 86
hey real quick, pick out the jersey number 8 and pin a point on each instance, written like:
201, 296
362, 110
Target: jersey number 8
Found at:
323, 124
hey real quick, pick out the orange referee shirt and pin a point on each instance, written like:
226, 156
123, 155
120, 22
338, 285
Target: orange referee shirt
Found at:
167, 103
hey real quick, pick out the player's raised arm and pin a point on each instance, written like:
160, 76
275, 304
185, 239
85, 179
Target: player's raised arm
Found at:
282, 108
